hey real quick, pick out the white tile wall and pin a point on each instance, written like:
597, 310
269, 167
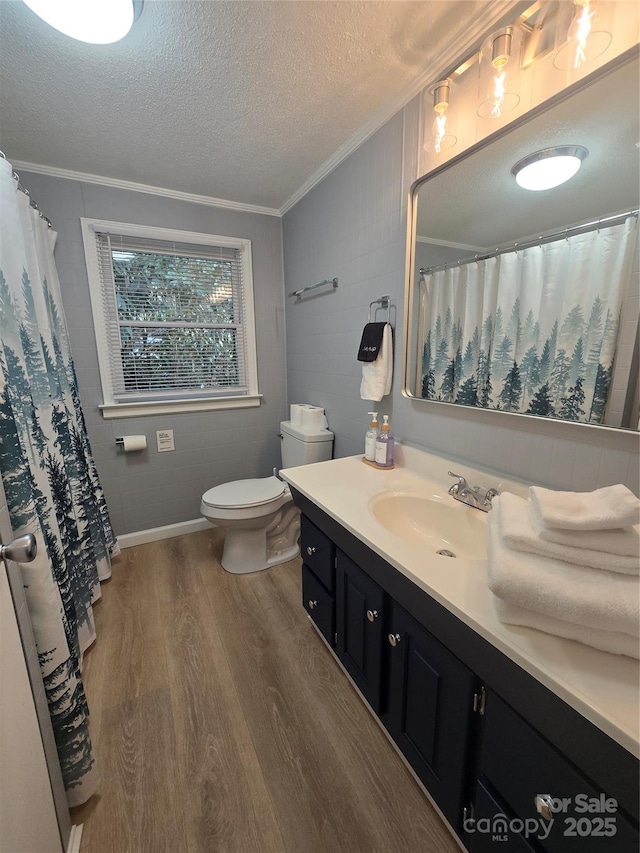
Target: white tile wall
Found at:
353, 225
149, 489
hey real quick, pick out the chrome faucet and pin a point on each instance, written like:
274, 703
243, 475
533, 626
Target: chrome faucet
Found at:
473, 496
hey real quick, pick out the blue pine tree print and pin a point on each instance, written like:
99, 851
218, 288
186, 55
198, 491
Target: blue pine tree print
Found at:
52, 489
548, 366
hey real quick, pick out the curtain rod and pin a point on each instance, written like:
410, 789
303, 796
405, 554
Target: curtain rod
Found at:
540, 241
23, 189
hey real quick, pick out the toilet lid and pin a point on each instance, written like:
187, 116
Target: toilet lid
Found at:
241, 493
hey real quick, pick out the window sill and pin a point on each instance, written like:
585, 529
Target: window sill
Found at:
166, 407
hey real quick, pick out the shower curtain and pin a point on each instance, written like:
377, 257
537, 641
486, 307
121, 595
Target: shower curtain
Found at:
49, 476
532, 330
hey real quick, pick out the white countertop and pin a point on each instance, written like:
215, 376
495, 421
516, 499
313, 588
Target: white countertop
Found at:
603, 687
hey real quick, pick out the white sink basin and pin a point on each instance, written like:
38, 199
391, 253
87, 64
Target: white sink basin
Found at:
432, 524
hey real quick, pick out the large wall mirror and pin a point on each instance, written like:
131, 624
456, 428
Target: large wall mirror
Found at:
527, 301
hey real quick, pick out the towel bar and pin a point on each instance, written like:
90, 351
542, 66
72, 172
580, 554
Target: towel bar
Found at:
298, 293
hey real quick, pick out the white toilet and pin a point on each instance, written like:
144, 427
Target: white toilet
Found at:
262, 523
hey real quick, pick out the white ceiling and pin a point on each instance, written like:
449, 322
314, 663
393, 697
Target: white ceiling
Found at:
240, 100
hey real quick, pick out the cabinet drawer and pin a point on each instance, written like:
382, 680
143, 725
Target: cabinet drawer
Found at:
319, 604
521, 764
318, 552
490, 830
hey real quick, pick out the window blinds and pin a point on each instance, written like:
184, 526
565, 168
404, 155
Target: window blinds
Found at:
175, 318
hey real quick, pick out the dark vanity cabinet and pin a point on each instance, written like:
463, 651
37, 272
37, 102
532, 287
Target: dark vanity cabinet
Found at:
496, 750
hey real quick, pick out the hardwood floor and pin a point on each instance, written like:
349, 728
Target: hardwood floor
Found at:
221, 722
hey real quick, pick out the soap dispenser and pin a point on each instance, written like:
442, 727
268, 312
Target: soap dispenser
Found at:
370, 438
384, 446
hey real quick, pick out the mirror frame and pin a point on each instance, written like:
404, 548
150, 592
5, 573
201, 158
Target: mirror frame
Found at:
623, 439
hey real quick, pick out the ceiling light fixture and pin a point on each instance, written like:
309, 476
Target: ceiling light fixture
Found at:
441, 138
549, 168
93, 21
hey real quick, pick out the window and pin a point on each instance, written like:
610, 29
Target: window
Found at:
174, 320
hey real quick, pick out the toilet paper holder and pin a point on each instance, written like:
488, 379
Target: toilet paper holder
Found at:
131, 442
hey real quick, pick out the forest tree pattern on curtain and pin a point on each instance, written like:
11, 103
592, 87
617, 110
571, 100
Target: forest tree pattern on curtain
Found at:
532, 331
49, 477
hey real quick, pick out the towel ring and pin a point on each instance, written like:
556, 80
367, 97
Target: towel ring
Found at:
383, 302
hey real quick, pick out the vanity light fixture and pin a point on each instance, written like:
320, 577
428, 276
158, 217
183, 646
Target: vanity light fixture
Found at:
499, 100
549, 168
441, 138
92, 21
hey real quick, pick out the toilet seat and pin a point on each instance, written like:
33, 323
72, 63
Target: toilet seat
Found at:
240, 494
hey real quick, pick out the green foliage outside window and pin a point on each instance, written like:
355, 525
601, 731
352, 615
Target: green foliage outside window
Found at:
189, 295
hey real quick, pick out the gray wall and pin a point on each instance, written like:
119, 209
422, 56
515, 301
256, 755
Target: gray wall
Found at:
149, 489
353, 225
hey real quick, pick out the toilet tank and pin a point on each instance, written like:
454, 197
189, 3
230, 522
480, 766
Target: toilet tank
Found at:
302, 445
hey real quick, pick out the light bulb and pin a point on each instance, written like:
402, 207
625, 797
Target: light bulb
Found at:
499, 100
579, 31
93, 21
584, 44
442, 139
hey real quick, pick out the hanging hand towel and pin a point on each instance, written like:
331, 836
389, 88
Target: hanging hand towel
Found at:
371, 341
520, 534
613, 642
376, 375
586, 597
623, 541
604, 509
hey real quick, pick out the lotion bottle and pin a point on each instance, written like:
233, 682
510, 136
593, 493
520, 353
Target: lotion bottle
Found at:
384, 446
370, 438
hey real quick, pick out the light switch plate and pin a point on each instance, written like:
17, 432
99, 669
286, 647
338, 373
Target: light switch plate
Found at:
164, 438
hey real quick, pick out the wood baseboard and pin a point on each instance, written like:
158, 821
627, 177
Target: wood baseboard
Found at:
74, 838
154, 534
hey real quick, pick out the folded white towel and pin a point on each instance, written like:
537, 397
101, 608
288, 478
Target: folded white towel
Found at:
589, 597
609, 641
623, 541
376, 375
604, 509
519, 533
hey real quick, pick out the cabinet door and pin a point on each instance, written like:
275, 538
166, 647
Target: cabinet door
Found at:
318, 552
430, 711
319, 604
359, 616
523, 767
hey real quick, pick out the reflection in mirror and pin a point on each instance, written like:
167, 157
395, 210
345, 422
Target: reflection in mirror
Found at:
527, 302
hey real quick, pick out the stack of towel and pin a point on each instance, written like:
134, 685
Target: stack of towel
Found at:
568, 563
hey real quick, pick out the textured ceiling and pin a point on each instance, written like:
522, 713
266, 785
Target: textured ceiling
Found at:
237, 100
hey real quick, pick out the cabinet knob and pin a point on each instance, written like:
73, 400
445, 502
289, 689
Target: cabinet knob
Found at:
312, 603
544, 805
311, 550
394, 639
372, 615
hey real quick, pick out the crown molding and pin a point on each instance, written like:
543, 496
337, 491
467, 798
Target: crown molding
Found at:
194, 198
495, 14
